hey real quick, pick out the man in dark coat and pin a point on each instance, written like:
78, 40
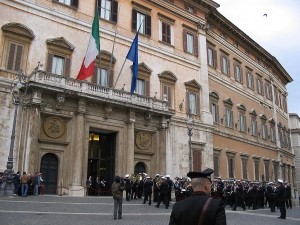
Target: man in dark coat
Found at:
199, 208
281, 199
148, 184
163, 193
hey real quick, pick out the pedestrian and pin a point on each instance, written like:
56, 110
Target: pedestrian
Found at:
117, 189
281, 198
24, 184
37, 183
288, 192
128, 184
199, 207
156, 184
239, 199
17, 183
148, 184
163, 193
89, 184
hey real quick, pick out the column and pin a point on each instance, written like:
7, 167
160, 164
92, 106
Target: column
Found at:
130, 142
77, 186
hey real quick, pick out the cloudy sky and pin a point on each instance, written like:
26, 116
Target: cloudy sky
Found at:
278, 33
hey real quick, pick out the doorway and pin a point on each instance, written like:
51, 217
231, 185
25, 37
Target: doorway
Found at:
101, 161
49, 170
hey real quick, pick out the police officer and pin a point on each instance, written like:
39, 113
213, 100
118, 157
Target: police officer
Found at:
281, 199
199, 207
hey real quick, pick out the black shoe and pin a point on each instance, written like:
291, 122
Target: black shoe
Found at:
234, 209
119, 217
281, 217
157, 206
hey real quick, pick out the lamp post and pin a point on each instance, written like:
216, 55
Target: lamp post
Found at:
19, 82
190, 126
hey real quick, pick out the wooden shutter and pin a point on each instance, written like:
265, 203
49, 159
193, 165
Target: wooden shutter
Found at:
197, 105
187, 101
75, 3
214, 57
163, 31
114, 11
111, 79
147, 88
18, 57
94, 78
134, 20
196, 160
184, 33
49, 62
217, 113
67, 67
195, 44
170, 97
148, 25
231, 119
11, 56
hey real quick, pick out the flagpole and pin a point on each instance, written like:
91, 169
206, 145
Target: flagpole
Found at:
113, 48
99, 55
125, 59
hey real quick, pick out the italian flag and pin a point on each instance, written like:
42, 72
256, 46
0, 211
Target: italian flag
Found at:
87, 67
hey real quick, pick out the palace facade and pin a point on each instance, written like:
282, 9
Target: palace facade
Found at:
193, 64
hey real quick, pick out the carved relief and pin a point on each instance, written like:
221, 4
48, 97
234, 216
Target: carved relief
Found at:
54, 127
143, 140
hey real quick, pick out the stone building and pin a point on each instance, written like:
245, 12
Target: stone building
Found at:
295, 134
191, 60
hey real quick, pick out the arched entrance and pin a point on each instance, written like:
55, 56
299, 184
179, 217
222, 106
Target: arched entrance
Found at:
140, 168
49, 170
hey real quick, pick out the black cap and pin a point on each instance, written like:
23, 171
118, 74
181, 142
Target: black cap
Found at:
205, 173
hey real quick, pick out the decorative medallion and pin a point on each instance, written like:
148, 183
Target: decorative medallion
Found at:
54, 127
143, 140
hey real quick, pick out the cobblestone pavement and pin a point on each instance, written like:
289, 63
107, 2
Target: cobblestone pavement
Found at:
56, 210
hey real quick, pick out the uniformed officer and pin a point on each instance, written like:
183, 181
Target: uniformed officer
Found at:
281, 199
199, 207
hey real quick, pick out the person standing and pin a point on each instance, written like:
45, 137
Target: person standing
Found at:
117, 189
128, 185
37, 183
89, 184
156, 185
17, 183
24, 184
199, 207
163, 193
288, 192
281, 199
239, 196
148, 184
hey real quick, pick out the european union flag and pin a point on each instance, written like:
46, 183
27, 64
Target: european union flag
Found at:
133, 57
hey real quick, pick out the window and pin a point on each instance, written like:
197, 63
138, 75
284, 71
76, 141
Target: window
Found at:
166, 29
253, 126
225, 64
142, 22
166, 32
242, 122
230, 162
190, 42
276, 170
259, 86
108, 10
59, 56
140, 87
102, 77
284, 104
214, 107
245, 166
17, 39
69, 2
276, 96
272, 133
192, 97
256, 168
264, 130
267, 170
268, 91
228, 113
238, 73
103, 74
250, 83
211, 57
216, 162
168, 80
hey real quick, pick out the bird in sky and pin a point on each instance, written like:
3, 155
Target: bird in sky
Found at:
265, 15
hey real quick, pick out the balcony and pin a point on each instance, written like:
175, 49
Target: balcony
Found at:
48, 81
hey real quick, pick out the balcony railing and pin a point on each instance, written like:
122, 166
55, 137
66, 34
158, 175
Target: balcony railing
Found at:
44, 79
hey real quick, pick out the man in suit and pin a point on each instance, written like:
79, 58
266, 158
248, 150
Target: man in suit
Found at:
199, 207
281, 199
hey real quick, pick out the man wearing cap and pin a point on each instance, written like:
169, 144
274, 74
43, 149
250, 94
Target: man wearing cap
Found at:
281, 199
148, 184
156, 186
199, 207
128, 185
163, 193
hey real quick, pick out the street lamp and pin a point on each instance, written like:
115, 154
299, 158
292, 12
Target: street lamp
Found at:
19, 82
190, 126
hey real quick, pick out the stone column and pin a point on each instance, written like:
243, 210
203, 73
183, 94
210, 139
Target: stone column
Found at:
130, 142
77, 186
165, 153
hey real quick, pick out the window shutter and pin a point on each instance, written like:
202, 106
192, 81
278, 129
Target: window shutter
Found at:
187, 101
231, 119
114, 16
67, 67
164, 33
94, 78
49, 62
111, 79
184, 41
148, 25
215, 58
242, 76
147, 88
196, 161
228, 67
75, 3
217, 113
11, 56
134, 20
197, 105
18, 57
170, 97
195, 44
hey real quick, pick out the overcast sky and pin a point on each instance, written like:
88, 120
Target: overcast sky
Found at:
278, 33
